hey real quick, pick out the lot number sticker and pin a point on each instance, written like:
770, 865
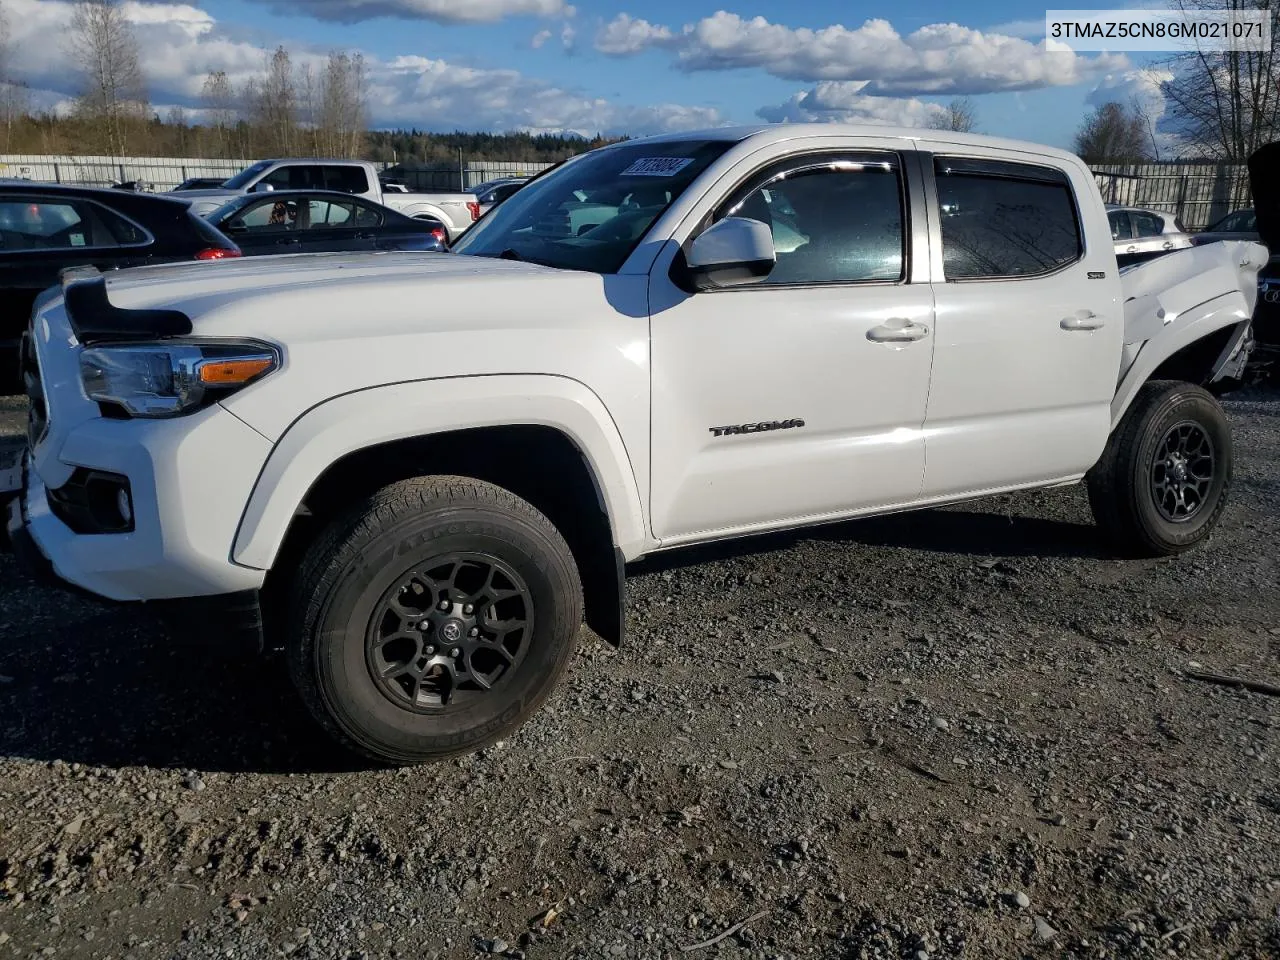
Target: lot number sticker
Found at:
657, 167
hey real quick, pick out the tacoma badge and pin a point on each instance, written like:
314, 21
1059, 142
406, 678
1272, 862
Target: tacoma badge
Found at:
760, 427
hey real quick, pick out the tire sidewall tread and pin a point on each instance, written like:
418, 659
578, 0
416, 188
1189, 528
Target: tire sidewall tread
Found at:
1119, 484
333, 581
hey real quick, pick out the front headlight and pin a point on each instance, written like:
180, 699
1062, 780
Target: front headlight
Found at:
171, 379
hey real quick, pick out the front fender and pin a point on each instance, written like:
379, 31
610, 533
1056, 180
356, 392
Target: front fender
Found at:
366, 418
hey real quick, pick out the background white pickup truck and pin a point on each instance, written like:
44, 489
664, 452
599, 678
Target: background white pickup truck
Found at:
457, 211
424, 483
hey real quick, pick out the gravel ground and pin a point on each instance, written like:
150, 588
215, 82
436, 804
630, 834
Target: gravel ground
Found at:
960, 733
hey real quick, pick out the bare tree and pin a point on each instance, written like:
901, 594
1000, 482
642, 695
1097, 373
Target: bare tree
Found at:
273, 104
341, 122
960, 115
113, 90
1113, 133
1226, 104
309, 109
220, 102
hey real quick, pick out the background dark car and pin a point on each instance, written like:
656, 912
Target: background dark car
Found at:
200, 183
321, 221
46, 227
1237, 225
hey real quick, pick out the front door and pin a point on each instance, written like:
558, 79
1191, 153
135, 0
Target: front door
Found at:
803, 396
1029, 327
267, 227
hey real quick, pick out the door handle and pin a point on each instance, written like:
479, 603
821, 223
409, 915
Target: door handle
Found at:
1082, 320
1168, 244
1132, 248
897, 330
286, 242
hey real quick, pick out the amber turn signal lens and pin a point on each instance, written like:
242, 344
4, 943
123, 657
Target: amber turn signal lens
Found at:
230, 372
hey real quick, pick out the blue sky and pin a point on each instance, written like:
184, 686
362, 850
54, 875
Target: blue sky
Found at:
618, 66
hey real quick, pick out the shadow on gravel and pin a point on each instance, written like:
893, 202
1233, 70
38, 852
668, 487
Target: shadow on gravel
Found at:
936, 531
108, 686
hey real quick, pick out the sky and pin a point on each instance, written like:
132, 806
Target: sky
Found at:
622, 66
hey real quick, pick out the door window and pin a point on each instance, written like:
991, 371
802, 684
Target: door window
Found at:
1147, 224
1121, 226
834, 220
296, 177
346, 179
269, 216
330, 215
45, 224
1004, 219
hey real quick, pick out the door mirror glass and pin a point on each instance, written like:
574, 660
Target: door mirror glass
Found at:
262, 187
730, 253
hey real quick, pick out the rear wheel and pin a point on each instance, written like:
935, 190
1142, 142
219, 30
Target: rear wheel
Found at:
1162, 483
433, 619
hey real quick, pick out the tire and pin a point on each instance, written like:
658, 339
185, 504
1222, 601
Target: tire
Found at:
354, 586
1133, 490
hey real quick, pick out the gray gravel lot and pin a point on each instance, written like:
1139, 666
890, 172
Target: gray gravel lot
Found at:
959, 733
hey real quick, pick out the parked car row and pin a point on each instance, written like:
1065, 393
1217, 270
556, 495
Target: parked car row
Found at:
47, 228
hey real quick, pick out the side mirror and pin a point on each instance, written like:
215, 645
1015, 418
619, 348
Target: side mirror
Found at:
236, 226
262, 187
731, 253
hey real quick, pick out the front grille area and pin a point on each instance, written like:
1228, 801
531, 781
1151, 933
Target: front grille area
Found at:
37, 409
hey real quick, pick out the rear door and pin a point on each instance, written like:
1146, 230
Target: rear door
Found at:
348, 178
1029, 322
1149, 232
339, 225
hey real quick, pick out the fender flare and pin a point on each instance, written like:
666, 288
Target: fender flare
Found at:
365, 418
1227, 310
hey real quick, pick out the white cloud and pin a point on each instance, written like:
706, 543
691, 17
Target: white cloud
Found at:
441, 11
938, 58
539, 39
568, 36
180, 44
842, 101
459, 96
624, 35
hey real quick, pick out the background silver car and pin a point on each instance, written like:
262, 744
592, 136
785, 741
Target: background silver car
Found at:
1139, 230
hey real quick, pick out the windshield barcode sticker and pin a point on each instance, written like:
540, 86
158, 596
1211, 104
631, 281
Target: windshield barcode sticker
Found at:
656, 167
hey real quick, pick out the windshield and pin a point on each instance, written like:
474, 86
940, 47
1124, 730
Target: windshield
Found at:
230, 207
245, 177
590, 213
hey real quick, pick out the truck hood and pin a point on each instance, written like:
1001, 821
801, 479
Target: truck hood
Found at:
324, 289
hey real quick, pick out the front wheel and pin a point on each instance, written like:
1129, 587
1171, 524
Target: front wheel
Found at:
1162, 483
433, 619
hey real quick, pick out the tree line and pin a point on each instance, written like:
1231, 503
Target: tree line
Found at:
316, 107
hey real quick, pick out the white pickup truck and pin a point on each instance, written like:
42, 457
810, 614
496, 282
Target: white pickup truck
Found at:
423, 472
457, 211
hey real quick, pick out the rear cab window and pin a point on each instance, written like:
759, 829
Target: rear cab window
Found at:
1005, 219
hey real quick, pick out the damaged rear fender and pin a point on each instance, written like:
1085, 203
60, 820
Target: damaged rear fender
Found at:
1180, 299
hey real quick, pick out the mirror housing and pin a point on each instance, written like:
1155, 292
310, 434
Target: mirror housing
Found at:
733, 252
235, 226
262, 187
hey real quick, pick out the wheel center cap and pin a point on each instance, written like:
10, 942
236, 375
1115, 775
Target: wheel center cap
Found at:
451, 630
1179, 469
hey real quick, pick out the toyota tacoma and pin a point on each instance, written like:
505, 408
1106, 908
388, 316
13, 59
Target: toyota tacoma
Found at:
419, 475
